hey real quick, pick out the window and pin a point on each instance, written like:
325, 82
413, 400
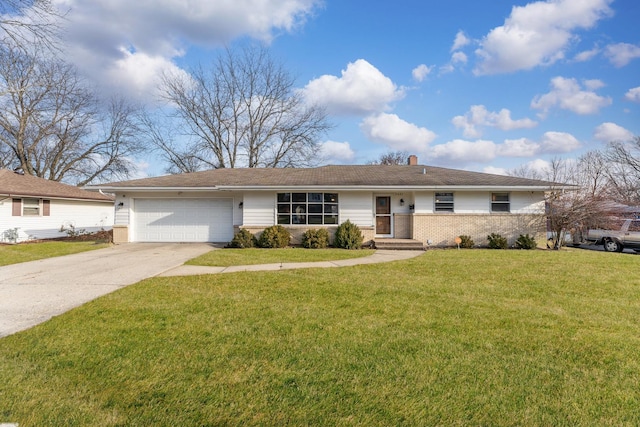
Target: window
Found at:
30, 207
307, 208
444, 202
500, 202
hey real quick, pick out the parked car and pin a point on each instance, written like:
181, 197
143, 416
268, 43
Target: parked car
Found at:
627, 236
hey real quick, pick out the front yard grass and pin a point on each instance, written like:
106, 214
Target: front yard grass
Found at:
23, 252
252, 256
453, 337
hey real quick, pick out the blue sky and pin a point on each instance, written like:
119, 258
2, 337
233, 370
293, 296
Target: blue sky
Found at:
477, 85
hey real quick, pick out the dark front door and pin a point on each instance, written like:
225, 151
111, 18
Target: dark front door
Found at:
383, 215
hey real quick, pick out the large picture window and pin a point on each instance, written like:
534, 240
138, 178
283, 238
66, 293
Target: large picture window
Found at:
500, 202
444, 202
307, 208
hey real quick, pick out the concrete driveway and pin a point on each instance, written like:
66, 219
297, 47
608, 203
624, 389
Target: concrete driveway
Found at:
33, 292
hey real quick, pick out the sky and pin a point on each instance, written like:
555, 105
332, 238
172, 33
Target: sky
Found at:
486, 86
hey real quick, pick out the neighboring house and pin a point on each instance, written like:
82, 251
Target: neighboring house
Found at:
429, 204
35, 208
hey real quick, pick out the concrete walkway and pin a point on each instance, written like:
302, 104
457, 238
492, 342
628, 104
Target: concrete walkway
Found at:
377, 257
33, 292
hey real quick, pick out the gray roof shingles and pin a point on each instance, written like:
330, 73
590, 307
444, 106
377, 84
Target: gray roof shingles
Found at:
17, 185
356, 175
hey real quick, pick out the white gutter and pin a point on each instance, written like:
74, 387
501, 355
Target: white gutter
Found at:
293, 188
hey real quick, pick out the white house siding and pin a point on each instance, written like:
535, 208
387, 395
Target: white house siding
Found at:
471, 202
526, 202
83, 215
357, 207
423, 201
258, 208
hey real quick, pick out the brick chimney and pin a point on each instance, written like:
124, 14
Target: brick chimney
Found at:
413, 160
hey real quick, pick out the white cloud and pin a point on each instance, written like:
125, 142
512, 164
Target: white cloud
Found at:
482, 151
586, 55
622, 53
495, 170
568, 95
522, 147
137, 74
558, 142
396, 133
478, 116
537, 34
421, 72
463, 151
333, 152
608, 131
460, 41
458, 58
105, 39
633, 94
361, 89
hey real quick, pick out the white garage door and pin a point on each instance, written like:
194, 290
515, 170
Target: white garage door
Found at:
183, 220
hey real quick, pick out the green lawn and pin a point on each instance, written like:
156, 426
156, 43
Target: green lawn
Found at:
453, 337
228, 257
13, 254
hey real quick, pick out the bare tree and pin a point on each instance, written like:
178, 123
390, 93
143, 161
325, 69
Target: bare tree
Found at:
391, 158
243, 112
576, 197
54, 127
24, 23
623, 166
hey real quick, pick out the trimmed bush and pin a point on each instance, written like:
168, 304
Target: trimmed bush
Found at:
315, 239
526, 242
275, 236
244, 239
466, 242
496, 241
348, 236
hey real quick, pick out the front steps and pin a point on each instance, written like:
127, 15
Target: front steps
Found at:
399, 244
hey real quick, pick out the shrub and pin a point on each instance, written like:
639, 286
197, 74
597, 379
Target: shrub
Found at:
526, 242
466, 242
275, 236
315, 239
496, 241
244, 239
348, 236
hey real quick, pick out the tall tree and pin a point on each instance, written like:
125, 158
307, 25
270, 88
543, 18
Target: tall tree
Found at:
24, 23
571, 211
52, 126
391, 158
243, 112
623, 163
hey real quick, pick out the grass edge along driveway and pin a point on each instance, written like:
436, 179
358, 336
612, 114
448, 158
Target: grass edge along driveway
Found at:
24, 252
452, 337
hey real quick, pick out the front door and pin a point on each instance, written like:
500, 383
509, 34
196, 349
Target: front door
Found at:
383, 215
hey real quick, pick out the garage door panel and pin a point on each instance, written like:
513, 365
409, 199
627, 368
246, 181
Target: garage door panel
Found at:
183, 220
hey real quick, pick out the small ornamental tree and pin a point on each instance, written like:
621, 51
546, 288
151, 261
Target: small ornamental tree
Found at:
244, 239
348, 236
275, 236
315, 239
496, 241
466, 242
526, 242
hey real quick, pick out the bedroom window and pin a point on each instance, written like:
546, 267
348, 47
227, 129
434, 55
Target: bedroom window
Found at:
31, 207
307, 208
444, 202
500, 202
